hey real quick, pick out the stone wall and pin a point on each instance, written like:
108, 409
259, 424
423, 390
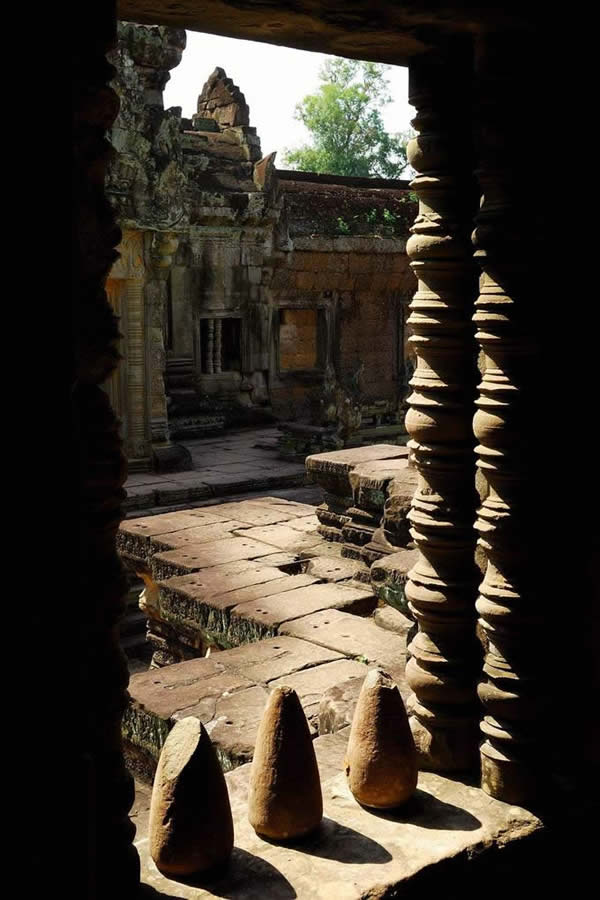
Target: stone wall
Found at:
360, 286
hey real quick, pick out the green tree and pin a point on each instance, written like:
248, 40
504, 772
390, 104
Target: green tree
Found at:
345, 123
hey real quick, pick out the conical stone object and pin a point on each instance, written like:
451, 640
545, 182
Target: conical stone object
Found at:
191, 829
381, 759
285, 798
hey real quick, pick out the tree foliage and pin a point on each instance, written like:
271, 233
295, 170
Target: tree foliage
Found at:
346, 126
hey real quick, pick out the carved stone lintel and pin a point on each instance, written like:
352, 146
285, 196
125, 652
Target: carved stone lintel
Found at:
441, 587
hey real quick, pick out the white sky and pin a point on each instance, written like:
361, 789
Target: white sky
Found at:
273, 79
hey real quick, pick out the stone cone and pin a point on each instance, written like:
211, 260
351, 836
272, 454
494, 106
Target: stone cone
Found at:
191, 828
381, 759
285, 798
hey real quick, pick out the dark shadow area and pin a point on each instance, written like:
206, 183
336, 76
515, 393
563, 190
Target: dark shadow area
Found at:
427, 811
334, 841
245, 876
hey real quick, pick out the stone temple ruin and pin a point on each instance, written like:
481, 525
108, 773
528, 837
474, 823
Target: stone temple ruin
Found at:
477, 597
239, 299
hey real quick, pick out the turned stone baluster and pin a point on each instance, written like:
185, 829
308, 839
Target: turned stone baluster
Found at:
441, 587
210, 346
507, 425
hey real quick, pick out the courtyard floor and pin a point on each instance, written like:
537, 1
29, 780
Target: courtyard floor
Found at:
235, 462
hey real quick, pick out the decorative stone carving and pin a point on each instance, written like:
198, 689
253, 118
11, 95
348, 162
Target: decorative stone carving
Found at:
441, 587
191, 828
285, 799
381, 759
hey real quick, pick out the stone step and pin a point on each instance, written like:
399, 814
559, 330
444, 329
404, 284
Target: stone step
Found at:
331, 470
227, 692
351, 635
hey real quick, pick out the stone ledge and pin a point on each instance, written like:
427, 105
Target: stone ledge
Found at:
206, 605
444, 830
331, 471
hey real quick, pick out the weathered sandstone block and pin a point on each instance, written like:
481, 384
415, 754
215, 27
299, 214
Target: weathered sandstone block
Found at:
381, 760
191, 828
285, 798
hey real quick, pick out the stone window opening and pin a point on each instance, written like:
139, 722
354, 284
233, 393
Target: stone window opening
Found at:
220, 345
301, 339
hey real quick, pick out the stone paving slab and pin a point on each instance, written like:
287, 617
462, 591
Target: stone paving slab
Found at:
227, 692
234, 727
220, 579
194, 536
351, 635
193, 689
307, 524
325, 549
276, 657
358, 853
283, 537
311, 684
264, 617
287, 562
134, 535
251, 513
185, 560
335, 569
295, 506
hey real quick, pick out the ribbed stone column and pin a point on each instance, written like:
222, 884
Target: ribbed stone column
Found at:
441, 587
511, 522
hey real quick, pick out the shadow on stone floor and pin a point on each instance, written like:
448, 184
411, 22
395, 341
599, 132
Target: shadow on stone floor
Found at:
427, 811
335, 841
245, 876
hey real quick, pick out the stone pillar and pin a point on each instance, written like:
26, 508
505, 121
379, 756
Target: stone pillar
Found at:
137, 422
183, 325
130, 274
441, 587
218, 348
210, 346
111, 860
164, 246
508, 425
